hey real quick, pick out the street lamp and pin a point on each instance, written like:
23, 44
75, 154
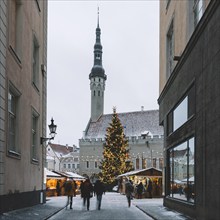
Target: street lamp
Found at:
52, 128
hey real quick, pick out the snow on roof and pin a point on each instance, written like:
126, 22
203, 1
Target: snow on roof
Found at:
134, 123
50, 173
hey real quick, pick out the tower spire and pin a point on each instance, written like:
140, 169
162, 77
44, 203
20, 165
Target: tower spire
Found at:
97, 78
98, 17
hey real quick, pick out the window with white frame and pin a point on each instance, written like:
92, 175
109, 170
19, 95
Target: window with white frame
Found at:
12, 122
198, 10
34, 133
170, 49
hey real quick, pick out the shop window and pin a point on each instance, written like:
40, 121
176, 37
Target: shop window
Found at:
181, 172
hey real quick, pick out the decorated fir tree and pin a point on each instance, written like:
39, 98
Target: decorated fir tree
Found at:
116, 154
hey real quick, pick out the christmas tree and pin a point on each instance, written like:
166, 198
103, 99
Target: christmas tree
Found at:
116, 154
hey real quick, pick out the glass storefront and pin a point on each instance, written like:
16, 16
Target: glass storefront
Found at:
181, 171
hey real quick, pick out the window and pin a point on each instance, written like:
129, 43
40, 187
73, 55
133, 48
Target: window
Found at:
170, 50
77, 166
154, 162
94, 93
144, 163
35, 63
16, 28
96, 164
182, 113
64, 166
160, 163
98, 93
69, 165
87, 164
35, 117
198, 11
12, 122
137, 163
181, 172
75, 159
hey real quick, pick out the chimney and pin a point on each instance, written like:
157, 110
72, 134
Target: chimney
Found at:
142, 108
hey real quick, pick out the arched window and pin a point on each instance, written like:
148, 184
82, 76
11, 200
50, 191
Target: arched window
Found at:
98, 93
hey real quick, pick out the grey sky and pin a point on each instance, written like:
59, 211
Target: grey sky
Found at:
130, 40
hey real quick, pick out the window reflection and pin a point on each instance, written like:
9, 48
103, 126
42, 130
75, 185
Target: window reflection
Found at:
182, 171
180, 114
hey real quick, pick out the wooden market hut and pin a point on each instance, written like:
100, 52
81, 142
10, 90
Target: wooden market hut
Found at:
145, 176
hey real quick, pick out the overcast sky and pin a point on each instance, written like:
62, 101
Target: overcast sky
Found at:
130, 40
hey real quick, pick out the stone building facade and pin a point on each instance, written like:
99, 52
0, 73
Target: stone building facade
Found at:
189, 103
62, 158
23, 78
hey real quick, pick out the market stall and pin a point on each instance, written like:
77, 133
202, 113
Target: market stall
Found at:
151, 179
52, 183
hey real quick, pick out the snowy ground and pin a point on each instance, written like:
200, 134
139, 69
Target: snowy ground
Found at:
114, 207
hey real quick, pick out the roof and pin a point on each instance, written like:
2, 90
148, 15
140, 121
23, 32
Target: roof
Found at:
144, 172
61, 150
134, 123
51, 174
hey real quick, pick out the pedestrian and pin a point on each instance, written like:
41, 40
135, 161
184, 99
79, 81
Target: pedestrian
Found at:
86, 192
149, 188
75, 187
129, 189
69, 188
140, 189
58, 188
99, 189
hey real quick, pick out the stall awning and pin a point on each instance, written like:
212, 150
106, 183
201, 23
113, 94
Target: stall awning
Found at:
75, 176
51, 174
144, 172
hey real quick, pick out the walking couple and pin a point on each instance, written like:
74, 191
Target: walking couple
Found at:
87, 190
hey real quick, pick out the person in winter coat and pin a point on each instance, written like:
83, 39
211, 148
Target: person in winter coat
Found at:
129, 189
99, 189
69, 188
86, 192
149, 188
140, 189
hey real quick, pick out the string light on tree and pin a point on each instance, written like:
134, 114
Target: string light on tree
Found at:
116, 153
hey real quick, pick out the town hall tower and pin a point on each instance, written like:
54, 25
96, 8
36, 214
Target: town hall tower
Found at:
97, 79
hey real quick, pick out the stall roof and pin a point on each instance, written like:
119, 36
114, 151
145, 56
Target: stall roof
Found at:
51, 174
70, 175
144, 172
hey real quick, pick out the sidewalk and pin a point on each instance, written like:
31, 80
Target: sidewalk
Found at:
152, 207
155, 209
37, 212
